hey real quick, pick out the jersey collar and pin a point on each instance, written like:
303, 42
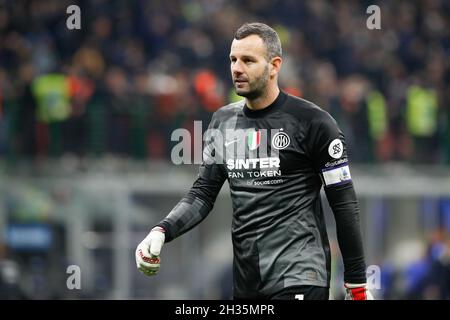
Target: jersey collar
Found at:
275, 105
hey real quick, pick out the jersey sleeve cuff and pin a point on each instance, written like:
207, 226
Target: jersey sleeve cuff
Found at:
167, 233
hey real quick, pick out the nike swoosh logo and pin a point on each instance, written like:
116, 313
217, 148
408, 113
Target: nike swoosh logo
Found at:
230, 142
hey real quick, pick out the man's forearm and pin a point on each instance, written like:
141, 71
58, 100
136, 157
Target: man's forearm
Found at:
196, 205
188, 213
345, 208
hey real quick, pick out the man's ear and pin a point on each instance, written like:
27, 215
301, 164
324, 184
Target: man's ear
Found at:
276, 66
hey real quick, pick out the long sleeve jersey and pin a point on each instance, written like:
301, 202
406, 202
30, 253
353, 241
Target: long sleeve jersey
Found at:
276, 161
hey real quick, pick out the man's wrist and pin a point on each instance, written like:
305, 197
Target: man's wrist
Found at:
159, 228
354, 285
355, 278
166, 229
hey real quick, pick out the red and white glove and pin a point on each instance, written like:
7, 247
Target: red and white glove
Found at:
357, 292
148, 251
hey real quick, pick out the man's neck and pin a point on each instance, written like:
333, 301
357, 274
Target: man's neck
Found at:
264, 100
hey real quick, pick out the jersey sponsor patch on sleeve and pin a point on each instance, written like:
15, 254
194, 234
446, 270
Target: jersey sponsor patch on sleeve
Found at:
336, 175
336, 149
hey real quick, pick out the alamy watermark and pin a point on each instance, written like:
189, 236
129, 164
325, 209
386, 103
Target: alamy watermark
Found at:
374, 20
373, 274
220, 146
74, 279
73, 22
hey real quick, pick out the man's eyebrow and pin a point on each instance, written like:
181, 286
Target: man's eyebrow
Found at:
244, 57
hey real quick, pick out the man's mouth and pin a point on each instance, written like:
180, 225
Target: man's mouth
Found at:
239, 81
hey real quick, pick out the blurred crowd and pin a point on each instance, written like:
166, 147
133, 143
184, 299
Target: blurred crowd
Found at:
137, 70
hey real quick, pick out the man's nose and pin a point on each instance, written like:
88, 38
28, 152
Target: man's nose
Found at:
236, 68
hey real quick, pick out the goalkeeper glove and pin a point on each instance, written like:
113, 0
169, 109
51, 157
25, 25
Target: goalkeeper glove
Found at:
357, 292
147, 252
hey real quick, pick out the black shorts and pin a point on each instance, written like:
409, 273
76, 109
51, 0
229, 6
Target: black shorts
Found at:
296, 293
302, 293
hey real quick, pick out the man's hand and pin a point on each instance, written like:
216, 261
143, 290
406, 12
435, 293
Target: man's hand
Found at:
147, 252
357, 292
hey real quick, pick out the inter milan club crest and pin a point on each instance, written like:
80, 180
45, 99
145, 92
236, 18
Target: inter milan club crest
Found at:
281, 141
253, 140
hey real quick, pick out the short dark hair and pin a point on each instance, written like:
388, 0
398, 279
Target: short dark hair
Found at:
266, 33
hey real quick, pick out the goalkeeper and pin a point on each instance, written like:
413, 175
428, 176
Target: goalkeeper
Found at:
281, 151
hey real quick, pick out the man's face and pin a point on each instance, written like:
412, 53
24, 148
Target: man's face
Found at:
249, 66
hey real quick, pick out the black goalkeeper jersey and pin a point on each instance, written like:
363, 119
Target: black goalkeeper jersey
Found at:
276, 161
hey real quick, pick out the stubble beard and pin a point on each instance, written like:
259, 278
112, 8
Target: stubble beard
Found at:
257, 87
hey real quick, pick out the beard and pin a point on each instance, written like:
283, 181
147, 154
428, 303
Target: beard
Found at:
257, 86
